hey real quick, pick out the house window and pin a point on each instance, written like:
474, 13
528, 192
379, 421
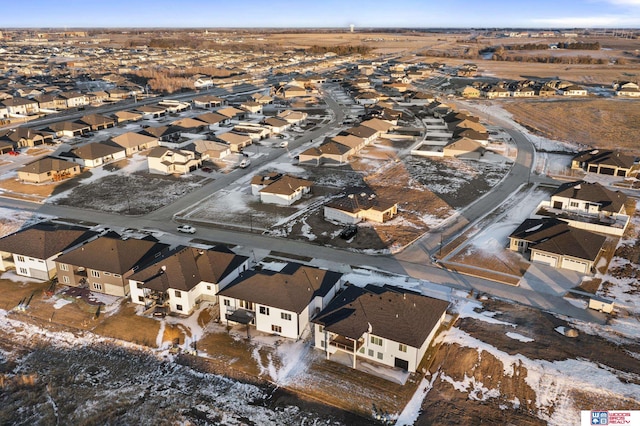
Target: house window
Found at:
371, 353
264, 310
208, 287
376, 341
322, 343
66, 280
95, 274
226, 302
139, 285
361, 350
402, 348
285, 316
23, 271
107, 274
97, 286
20, 258
140, 299
179, 307
574, 204
116, 275
321, 329
276, 328
380, 356
63, 267
178, 293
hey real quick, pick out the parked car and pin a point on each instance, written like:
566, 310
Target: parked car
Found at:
283, 144
207, 169
349, 232
187, 229
244, 163
14, 152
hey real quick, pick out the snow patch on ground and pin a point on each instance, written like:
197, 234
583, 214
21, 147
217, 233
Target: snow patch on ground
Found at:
520, 337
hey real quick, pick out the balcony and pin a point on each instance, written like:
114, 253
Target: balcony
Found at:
240, 316
346, 344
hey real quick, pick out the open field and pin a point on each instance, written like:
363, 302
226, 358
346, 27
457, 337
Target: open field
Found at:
602, 123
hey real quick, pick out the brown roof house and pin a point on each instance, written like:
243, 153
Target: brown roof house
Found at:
186, 276
22, 137
133, 142
464, 148
95, 154
329, 152
48, 169
604, 162
97, 121
211, 149
385, 325
360, 204
105, 264
284, 190
236, 141
33, 251
280, 303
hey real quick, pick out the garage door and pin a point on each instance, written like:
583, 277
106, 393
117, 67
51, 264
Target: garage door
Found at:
401, 363
575, 265
544, 258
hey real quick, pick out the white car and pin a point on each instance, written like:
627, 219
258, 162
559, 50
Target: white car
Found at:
186, 229
244, 163
284, 144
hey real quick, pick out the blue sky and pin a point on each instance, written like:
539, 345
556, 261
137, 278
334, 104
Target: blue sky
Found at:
327, 13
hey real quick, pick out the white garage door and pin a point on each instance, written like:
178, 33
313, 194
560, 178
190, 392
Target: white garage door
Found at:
544, 258
575, 265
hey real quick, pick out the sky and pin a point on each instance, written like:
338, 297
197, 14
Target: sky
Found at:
322, 14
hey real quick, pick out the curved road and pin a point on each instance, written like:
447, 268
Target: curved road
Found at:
414, 261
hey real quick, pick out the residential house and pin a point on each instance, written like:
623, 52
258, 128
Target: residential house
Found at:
33, 250
211, 149
118, 94
470, 92
604, 162
360, 204
105, 264
574, 90
97, 121
559, 246
48, 169
151, 111
329, 152
523, 92
134, 142
277, 125
464, 147
285, 190
496, 92
127, 116
279, 303
252, 107
94, 154
231, 113
191, 125
261, 98
386, 325
17, 107
589, 198
166, 161
6, 147
364, 132
236, 142
184, 277
73, 99
208, 101
163, 133
22, 137
352, 141
546, 91
212, 120
255, 131
259, 182
68, 128
627, 88
293, 117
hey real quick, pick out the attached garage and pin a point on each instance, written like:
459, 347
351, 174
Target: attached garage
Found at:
575, 265
550, 260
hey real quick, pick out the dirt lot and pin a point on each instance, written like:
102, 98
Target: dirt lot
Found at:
445, 405
602, 123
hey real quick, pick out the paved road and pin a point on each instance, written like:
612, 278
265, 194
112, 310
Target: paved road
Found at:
413, 262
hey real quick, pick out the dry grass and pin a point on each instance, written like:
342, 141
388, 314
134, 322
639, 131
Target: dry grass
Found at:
611, 123
234, 353
29, 190
127, 325
507, 262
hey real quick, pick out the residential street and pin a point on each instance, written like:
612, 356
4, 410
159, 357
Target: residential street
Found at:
414, 261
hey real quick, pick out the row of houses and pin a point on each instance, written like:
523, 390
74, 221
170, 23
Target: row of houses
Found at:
387, 325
